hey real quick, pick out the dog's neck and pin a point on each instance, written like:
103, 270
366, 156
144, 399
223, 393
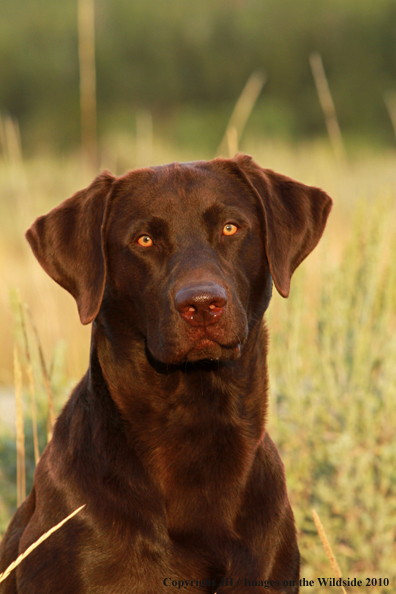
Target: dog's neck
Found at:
135, 379
207, 413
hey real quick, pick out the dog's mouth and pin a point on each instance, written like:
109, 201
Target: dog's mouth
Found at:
204, 343
211, 343
206, 348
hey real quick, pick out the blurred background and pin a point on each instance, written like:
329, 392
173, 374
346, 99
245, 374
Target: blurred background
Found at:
307, 88
185, 63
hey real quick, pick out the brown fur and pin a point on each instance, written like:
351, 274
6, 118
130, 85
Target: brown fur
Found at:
164, 438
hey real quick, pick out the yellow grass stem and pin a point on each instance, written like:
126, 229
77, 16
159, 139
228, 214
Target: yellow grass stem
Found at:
390, 102
327, 104
326, 545
232, 141
86, 50
30, 379
20, 435
242, 110
21, 557
144, 138
46, 378
11, 149
10, 139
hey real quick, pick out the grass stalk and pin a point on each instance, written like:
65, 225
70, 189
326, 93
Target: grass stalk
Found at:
10, 139
232, 141
390, 102
328, 107
86, 49
20, 435
29, 369
11, 150
242, 110
33, 546
46, 378
328, 550
144, 138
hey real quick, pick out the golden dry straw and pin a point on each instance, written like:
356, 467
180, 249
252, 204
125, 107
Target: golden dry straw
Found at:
242, 110
21, 557
327, 104
86, 51
326, 545
46, 378
390, 102
29, 370
144, 138
232, 140
10, 139
11, 150
20, 435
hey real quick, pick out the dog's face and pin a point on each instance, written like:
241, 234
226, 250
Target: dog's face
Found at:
182, 255
186, 259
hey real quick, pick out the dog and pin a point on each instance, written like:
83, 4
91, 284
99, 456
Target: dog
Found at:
164, 439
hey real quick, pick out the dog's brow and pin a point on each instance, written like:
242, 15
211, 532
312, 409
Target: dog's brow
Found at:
214, 213
156, 226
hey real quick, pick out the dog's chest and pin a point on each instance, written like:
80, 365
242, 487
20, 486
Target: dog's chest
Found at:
200, 457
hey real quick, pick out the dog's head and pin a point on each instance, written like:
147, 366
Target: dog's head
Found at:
183, 255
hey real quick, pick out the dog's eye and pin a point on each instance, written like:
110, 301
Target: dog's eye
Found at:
230, 229
145, 241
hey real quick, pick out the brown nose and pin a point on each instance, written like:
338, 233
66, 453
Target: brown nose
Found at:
201, 305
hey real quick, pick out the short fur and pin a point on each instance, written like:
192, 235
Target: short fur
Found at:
164, 438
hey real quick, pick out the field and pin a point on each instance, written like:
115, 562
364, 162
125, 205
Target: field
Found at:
332, 351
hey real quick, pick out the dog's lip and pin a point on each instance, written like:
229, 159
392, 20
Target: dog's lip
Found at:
204, 343
204, 348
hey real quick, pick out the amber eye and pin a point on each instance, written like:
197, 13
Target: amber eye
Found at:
145, 241
229, 229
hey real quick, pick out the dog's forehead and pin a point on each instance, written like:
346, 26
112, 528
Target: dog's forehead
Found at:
167, 189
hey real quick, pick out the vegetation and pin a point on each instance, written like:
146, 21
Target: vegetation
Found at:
188, 62
333, 410
332, 350
168, 76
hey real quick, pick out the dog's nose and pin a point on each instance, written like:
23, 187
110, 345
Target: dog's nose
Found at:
201, 305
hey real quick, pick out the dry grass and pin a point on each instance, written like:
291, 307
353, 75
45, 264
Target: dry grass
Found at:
241, 113
45, 375
20, 433
327, 547
33, 546
29, 371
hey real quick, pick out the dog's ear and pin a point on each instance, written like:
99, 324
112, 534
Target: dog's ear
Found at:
68, 244
295, 218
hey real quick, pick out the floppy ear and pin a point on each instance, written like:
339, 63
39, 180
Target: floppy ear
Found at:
295, 218
68, 244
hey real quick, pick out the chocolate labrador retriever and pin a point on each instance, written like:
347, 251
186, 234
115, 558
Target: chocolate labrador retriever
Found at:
164, 438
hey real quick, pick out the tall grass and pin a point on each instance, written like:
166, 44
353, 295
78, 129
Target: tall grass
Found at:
333, 412
332, 350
